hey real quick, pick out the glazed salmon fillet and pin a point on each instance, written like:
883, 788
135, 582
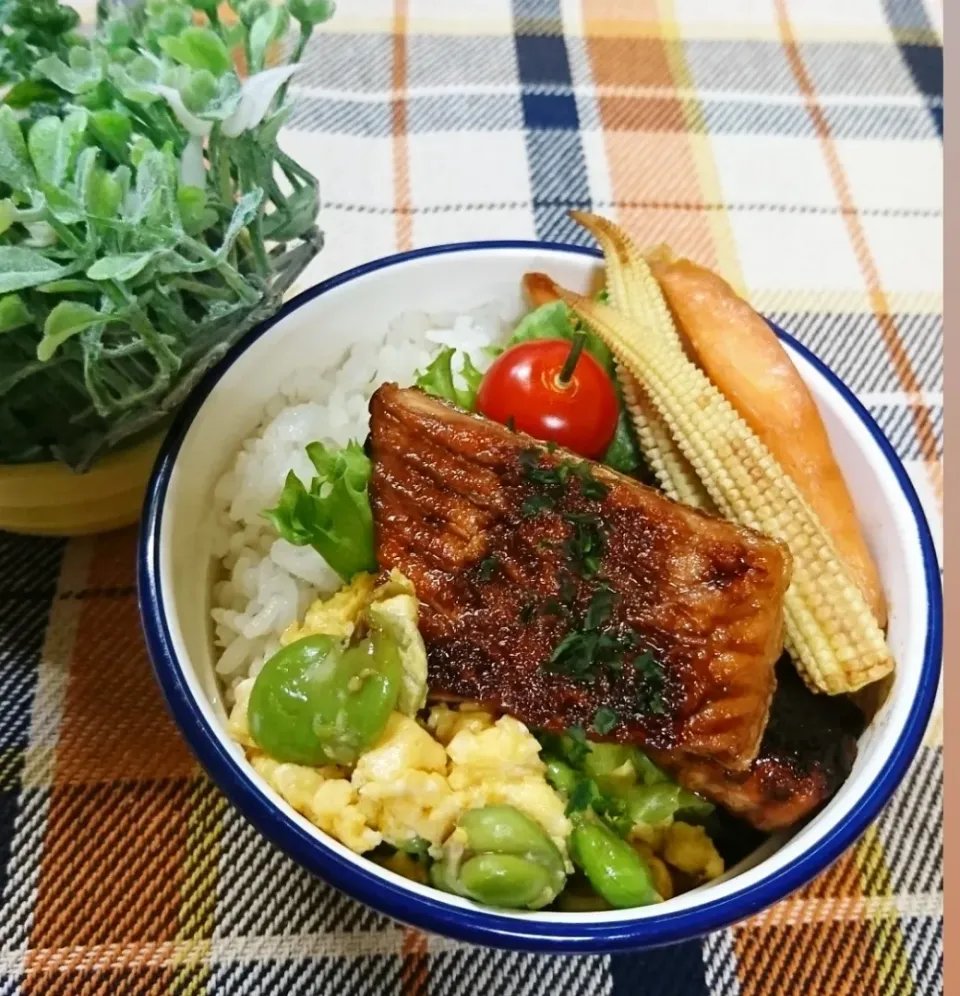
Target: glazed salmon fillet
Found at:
566, 594
807, 752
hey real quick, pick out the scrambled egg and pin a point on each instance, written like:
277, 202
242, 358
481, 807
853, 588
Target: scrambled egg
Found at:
403, 787
408, 786
445, 723
418, 779
501, 765
396, 611
323, 796
662, 880
237, 725
337, 615
688, 848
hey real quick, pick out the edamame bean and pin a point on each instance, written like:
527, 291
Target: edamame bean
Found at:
316, 702
662, 802
561, 776
649, 773
603, 758
610, 766
612, 866
508, 861
505, 830
506, 880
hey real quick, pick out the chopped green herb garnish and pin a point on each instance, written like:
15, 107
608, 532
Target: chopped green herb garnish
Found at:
488, 567
646, 664
535, 504
556, 476
584, 795
511, 423
590, 649
568, 592
600, 607
616, 812
584, 655
650, 684
576, 747
655, 704
604, 720
590, 487
527, 612
571, 656
551, 447
552, 606
586, 544
582, 518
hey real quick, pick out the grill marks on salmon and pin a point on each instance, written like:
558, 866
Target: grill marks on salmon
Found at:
692, 603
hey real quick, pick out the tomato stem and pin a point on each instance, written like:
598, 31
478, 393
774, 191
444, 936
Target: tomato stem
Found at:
573, 357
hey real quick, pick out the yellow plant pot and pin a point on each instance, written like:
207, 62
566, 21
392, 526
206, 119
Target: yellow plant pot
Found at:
49, 499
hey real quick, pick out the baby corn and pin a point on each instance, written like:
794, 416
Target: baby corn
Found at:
670, 467
634, 291
831, 633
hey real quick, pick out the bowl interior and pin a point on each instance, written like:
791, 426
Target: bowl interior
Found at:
317, 332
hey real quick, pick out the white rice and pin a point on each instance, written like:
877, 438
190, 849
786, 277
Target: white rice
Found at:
266, 583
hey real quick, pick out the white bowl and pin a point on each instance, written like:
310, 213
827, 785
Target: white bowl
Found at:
175, 563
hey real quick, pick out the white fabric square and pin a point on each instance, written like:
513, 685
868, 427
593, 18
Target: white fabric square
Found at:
463, 17
432, 228
856, 14
934, 9
731, 13
598, 167
908, 252
350, 238
772, 169
794, 251
351, 169
885, 174
463, 168
367, 10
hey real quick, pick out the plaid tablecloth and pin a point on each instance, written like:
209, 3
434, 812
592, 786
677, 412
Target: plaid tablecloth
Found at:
796, 146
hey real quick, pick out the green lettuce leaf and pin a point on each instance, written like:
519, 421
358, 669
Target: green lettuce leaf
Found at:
623, 453
440, 381
556, 321
334, 515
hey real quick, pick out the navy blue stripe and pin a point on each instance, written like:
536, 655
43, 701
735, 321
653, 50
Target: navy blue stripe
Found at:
558, 169
27, 566
10, 793
925, 62
677, 970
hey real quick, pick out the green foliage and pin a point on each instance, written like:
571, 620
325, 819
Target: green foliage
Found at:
147, 215
440, 380
333, 515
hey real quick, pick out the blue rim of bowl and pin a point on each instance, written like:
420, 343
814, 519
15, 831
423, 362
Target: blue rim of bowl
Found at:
476, 925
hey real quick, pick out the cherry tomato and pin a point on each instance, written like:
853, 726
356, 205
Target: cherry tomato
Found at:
523, 387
